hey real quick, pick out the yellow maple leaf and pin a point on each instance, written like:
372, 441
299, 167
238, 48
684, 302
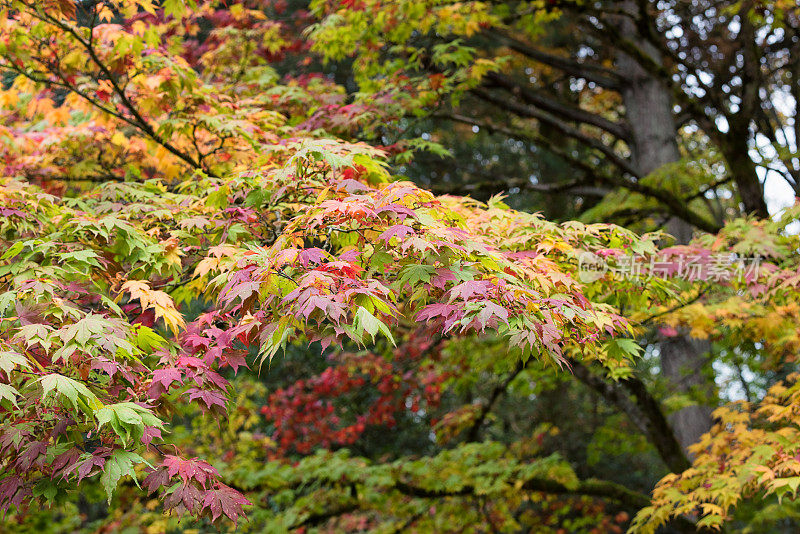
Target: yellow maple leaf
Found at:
159, 301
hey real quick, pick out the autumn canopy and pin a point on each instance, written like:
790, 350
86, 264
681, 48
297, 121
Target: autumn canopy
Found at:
245, 283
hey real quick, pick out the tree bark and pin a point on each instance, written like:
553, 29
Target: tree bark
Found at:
734, 149
682, 361
644, 412
648, 108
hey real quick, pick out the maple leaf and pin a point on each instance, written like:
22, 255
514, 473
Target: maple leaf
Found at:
84, 329
76, 392
242, 291
399, 231
119, 464
9, 393
89, 461
210, 398
414, 274
162, 380
364, 321
150, 434
32, 456
12, 437
191, 469
466, 290
235, 359
159, 301
185, 497
127, 419
212, 377
437, 311
330, 308
190, 362
10, 360
491, 311
63, 463
155, 479
311, 255
194, 222
224, 500
12, 491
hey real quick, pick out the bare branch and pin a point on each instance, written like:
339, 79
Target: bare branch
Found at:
619, 130
531, 112
600, 75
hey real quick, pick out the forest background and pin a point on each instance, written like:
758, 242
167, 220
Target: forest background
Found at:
273, 266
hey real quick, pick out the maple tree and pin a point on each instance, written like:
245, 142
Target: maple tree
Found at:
179, 216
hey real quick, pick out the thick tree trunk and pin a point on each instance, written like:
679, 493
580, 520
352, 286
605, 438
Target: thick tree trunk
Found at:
735, 144
682, 360
648, 108
743, 170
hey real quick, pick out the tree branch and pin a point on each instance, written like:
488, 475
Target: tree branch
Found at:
474, 431
645, 412
618, 130
137, 120
594, 73
533, 113
675, 206
577, 187
590, 174
603, 489
321, 517
591, 487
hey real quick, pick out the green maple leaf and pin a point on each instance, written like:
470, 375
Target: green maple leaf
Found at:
10, 360
414, 274
8, 393
78, 394
366, 322
118, 465
127, 419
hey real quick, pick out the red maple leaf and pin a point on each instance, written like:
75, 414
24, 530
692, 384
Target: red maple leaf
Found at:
224, 500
